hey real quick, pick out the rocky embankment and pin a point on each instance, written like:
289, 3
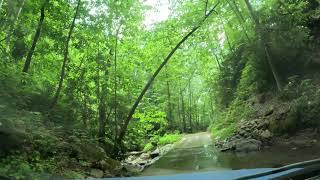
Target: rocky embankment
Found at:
249, 136
137, 161
273, 123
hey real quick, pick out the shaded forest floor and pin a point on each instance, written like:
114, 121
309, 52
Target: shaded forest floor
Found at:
32, 147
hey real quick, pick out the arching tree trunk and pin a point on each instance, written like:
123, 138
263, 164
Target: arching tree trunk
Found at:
36, 38
155, 74
264, 44
65, 55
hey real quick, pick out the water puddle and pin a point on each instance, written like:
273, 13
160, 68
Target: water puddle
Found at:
208, 158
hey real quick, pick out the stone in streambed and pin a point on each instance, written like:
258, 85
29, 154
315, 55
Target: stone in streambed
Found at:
155, 153
266, 134
247, 145
145, 156
97, 173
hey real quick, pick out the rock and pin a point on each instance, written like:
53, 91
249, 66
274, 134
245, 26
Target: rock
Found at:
165, 149
145, 156
241, 132
300, 143
152, 161
155, 153
225, 149
134, 169
90, 152
247, 145
108, 164
103, 165
134, 153
263, 124
268, 112
136, 164
113, 164
107, 174
97, 173
143, 163
139, 161
36, 113
130, 159
256, 132
266, 134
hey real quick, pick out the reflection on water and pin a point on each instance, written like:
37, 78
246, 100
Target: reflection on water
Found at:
207, 158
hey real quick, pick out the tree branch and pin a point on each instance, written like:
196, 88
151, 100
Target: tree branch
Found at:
206, 8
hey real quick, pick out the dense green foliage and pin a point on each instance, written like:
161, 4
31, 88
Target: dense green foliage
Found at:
84, 79
245, 72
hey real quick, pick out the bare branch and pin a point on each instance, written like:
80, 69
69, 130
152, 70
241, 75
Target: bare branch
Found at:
212, 10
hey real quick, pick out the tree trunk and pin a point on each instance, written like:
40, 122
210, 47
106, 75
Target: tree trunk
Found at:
85, 110
179, 111
101, 91
102, 122
228, 40
36, 38
217, 61
239, 17
65, 59
13, 25
102, 118
190, 106
225, 33
236, 9
264, 44
19, 12
169, 117
183, 112
115, 85
145, 89
197, 116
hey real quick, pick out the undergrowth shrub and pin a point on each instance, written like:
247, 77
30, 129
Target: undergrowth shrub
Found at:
226, 122
147, 126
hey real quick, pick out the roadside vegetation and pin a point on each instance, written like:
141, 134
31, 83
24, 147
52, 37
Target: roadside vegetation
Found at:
274, 64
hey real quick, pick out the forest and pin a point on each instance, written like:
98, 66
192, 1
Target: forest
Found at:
84, 82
